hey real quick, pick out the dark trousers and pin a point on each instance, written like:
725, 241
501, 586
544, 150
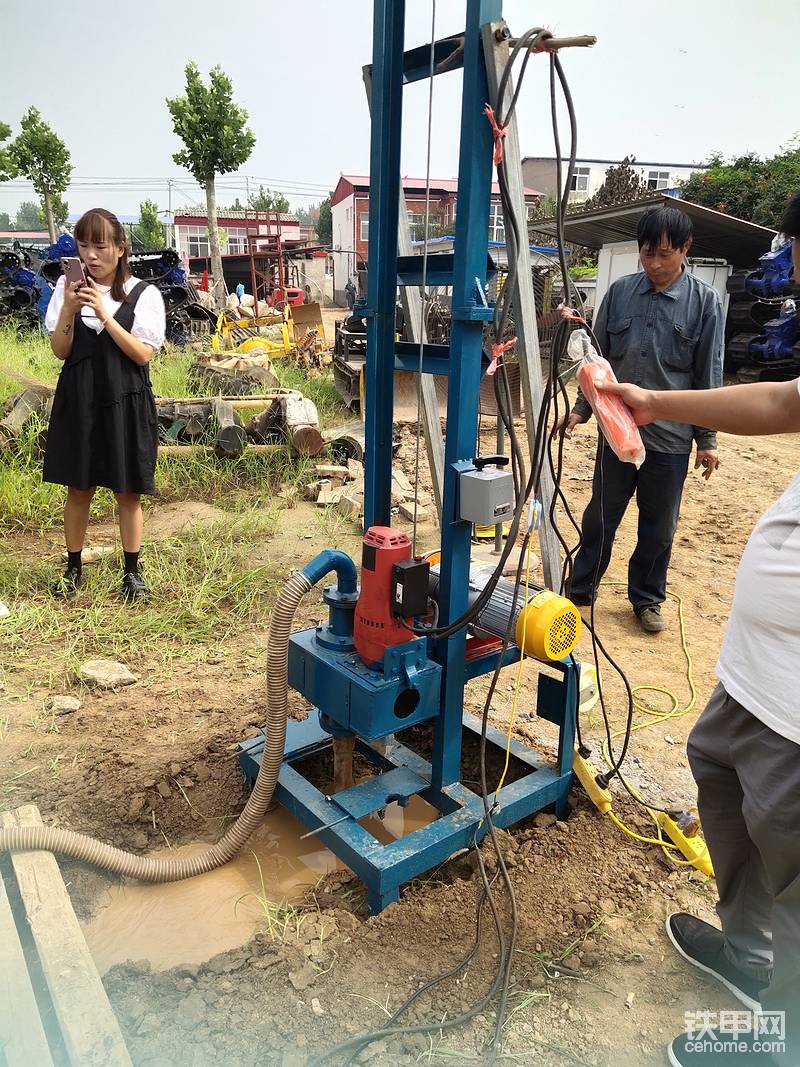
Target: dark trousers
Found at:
748, 796
658, 485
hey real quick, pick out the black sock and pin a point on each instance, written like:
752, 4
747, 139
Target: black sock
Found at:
74, 560
131, 562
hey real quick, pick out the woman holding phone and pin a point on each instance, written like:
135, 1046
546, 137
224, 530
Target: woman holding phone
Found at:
105, 326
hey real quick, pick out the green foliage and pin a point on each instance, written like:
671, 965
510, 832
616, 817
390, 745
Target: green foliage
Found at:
267, 200
5, 220
325, 222
211, 125
39, 154
60, 209
587, 268
622, 184
148, 233
748, 186
8, 168
27, 216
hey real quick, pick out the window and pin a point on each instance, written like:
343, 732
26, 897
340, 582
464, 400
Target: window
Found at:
580, 180
196, 240
497, 228
363, 226
237, 240
658, 179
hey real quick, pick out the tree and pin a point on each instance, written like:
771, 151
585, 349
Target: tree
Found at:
748, 186
5, 221
27, 217
621, 185
148, 234
7, 168
60, 209
216, 140
266, 200
325, 222
41, 156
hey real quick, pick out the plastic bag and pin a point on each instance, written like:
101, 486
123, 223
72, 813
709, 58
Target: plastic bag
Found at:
613, 415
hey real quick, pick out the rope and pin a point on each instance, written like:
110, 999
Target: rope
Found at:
423, 294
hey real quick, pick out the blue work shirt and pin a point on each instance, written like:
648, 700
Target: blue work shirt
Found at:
668, 340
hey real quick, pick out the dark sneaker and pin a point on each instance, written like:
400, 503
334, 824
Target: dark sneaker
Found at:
709, 1047
704, 947
580, 600
134, 588
68, 584
651, 620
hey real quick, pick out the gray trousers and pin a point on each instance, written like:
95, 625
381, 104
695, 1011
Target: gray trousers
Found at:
748, 782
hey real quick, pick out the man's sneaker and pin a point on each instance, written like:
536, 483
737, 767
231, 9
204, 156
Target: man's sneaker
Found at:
133, 587
710, 1048
580, 600
68, 584
651, 620
704, 947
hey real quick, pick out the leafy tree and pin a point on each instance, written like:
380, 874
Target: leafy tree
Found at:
621, 185
148, 233
748, 186
216, 140
325, 222
41, 156
60, 209
267, 200
7, 168
5, 221
27, 217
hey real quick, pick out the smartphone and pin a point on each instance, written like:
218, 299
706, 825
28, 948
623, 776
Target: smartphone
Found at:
73, 270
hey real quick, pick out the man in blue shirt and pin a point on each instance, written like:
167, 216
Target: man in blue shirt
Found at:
661, 329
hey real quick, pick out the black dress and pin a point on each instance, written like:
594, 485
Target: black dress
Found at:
103, 428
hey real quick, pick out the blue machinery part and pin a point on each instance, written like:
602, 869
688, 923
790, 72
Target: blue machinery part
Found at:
420, 681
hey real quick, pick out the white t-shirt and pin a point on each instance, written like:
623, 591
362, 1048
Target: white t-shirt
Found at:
759, 664
149, 317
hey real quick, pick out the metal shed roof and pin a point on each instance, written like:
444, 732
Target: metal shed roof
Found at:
716, 235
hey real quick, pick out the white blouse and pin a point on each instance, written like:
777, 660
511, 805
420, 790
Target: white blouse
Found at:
149, 317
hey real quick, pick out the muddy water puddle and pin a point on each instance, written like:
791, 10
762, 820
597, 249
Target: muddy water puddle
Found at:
189, 922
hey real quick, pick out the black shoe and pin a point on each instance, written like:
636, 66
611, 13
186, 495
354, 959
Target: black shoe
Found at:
133, 587
581, 600
704, 947
68, 584
711, 1048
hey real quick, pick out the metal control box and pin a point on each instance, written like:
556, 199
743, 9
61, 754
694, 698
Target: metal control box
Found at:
487, 496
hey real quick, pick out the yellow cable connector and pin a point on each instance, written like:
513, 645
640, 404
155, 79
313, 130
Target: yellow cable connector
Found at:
601, 798
694, 848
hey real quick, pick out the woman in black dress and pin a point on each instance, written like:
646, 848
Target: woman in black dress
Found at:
103, 429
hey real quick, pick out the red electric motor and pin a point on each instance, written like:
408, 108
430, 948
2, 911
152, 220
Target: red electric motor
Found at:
376, 626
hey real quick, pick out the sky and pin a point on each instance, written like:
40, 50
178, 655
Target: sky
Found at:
668, 83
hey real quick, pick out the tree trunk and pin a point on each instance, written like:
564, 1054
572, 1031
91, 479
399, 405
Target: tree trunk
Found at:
48, 211
213, 241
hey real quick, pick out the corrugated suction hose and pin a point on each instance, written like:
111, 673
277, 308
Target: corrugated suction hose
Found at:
145, 869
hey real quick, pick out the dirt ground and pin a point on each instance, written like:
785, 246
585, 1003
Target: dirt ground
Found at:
594, 978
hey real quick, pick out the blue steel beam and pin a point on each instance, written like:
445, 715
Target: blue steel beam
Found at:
384, 199
472, 223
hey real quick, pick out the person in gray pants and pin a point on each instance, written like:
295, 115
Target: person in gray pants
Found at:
744, 752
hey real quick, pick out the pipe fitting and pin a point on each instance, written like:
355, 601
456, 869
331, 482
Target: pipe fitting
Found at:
333, 559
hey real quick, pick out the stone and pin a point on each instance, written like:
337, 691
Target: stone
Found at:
544, 819
94, 553
355, 468
402, 481
4, 611
582, 909
139, 840
316, 1007
62, 704
407, 511
327, 497
303, 978
163, 790
330, 470
348, 506
136, 806
106, 674
191, 1009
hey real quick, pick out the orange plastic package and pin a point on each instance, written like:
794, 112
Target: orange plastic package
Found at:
614, 416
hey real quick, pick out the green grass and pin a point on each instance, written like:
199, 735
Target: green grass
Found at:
204, 590
249, 482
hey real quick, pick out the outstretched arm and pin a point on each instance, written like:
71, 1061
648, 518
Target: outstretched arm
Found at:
750, 410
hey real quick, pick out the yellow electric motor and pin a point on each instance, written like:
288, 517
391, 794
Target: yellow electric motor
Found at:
548, 626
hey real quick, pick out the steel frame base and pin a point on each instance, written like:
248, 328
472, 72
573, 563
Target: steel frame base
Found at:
401, 774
